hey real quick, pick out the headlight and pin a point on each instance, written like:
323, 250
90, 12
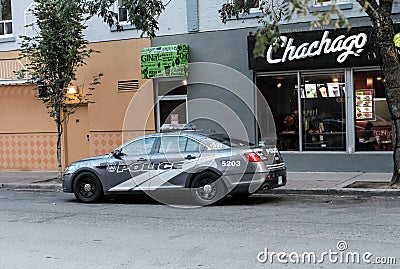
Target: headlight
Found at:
71, 168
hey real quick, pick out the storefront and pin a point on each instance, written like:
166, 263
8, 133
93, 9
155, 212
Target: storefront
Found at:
325, 90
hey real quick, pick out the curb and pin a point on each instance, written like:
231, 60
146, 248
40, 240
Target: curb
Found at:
32, 187
337, 191
321, 191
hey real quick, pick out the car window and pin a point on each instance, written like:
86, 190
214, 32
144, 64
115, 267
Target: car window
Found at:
175, 144
192, 145
229, 141
139, 147
171, 144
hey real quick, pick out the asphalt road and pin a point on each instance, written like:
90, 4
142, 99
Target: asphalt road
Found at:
52, 230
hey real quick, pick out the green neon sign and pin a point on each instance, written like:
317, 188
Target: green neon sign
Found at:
396, 40
165, 61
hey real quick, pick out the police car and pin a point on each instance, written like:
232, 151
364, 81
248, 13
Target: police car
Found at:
206, 166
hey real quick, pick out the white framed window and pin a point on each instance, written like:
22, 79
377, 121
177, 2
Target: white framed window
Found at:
6, 29
122, 12
254, 4
319, 3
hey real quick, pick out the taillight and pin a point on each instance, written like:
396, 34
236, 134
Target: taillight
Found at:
252, 157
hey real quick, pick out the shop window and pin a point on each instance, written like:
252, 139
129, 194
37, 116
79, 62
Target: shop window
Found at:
282, 97
323, 112
5, 18
373, 127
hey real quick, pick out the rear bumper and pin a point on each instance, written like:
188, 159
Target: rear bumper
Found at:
254, 182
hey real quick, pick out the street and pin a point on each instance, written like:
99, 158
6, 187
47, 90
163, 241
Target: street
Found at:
53, 230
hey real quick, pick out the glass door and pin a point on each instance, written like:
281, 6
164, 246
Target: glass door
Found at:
171, 105
281, 93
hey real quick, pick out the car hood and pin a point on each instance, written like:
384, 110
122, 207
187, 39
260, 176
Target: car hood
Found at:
92, 159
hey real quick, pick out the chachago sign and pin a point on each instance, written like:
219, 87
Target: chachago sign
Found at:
165, 61
319, 49
350, 45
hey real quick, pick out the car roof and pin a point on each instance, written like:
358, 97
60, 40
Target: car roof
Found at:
198, 135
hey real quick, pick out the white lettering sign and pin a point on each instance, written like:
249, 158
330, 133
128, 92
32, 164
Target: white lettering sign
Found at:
352, 45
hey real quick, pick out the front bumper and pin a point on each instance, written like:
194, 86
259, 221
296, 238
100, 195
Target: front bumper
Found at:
67, 183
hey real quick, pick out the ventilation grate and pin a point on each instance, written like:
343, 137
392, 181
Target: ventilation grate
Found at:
128, 85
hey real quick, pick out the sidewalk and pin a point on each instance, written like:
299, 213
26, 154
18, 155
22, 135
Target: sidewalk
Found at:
338, 183
29, 180
317, 183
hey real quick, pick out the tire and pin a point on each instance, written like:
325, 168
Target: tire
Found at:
207, 188
87, 188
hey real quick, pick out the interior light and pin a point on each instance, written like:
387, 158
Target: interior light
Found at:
335, 79
379, 78
72, 90
279, 85
370, 82
306, 81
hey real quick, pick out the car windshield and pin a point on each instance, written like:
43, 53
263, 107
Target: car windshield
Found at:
229, 141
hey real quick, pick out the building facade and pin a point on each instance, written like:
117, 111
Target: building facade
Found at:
28, 134
324, 88
321, 96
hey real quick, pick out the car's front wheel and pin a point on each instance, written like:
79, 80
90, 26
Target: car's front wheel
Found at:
207, 188
87, 188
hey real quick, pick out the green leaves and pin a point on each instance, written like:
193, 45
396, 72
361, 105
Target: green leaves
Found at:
279, 12
143, 14
57, 51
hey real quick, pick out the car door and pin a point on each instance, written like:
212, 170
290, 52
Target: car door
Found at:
136, 165
175, 156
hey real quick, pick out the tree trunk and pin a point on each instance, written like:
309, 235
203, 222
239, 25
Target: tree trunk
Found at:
59, 134
391, 69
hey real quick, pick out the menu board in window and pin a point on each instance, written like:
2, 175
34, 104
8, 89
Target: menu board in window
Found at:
323, 90
365, 105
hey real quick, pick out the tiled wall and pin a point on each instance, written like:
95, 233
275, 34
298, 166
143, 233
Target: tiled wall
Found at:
33, 151
105, 142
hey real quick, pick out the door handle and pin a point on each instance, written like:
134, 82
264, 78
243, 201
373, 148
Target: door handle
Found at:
190, 157
142, 160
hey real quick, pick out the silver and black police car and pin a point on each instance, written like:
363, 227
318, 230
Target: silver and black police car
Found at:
207, 166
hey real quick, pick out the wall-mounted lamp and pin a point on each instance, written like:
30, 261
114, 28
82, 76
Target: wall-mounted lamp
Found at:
72, 90
184, 82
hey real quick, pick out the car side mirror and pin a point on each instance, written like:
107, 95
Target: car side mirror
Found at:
117, 153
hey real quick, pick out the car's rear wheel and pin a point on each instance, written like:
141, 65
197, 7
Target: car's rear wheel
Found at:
207, 188
87, 188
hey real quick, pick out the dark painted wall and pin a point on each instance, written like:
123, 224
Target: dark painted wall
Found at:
339, 162
228, 48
